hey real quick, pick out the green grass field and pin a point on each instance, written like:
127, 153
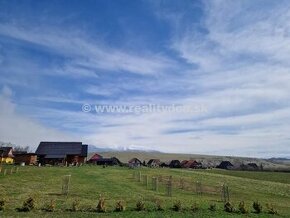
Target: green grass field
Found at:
117, 183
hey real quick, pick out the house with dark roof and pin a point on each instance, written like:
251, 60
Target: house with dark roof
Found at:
108, 161
153, 163
6, 155
164, 164
61, 153
225, 165
134, 162
249, 166
175, 164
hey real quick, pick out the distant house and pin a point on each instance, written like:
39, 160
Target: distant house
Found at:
225, 165
253, 166
153, 163
164, 164
108, 161
135, 162
96, 157
192, 164
6, 155
24, 157
183, 163
175, 164
249, 166
61, 153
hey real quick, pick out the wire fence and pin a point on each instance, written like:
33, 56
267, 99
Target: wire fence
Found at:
170, 184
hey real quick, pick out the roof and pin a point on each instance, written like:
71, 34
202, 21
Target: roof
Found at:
61, 149
96, 157
6, 151
134, 160
151, 161
24, 154
190, 163
55, 156
225, 164
183, 162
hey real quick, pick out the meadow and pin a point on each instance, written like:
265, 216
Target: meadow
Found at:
88, 183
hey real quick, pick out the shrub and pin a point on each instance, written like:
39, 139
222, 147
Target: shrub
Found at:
75, 206
212, 207
194, 207
159, 206
50, 207
176, 206
2, 204
101, 206
119, 206
242, 207
140, 205
228, 207
28, 205
271, 209
257, 207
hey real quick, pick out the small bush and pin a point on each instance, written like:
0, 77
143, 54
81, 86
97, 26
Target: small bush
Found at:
159, 206
212, 207
2, 204
75, 206
140, 205
242, 207
271, 209
50, 207
176, 206
28, 205
257, 207
194, 207
101, 208
119, 206
228, 207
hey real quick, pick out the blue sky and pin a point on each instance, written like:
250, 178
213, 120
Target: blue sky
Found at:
230, 57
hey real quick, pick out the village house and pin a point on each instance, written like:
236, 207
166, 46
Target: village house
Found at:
175, 164
6, 155
134, 162
193, 164
153, 163
24, 157
225, 165
62, 153
95, 158
108, 161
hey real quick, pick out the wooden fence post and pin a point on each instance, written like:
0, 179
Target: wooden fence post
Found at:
65, 184
145, 180
4, 172
198, 187
181, 183
139, 177
169, 187
155, 184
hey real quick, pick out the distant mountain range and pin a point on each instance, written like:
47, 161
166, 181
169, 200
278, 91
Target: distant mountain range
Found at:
93, 148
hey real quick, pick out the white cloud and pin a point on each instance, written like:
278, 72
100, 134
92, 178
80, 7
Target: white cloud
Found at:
18, 129
87, 53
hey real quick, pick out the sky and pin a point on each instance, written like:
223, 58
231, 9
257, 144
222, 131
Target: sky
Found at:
226, 62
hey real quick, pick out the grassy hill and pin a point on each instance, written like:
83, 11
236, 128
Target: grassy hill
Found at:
116, 183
